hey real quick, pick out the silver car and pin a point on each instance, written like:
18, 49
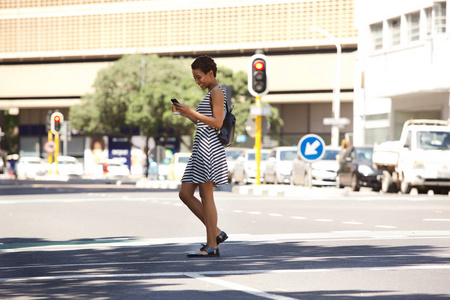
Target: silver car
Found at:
279, 165
31, 167
245, 166
323, 172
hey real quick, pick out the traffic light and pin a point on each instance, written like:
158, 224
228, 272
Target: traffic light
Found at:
56, 119
258, 75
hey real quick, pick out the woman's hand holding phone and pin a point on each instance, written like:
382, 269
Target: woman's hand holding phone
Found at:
174, 107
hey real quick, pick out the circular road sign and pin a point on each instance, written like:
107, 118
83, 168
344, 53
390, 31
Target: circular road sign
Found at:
49, 146
311, 148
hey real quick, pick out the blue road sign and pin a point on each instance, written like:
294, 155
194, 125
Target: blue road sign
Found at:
311, 148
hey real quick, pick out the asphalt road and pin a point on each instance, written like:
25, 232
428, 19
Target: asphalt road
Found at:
110, 242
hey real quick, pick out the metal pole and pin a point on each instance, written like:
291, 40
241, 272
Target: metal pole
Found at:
65, 139
258, 136
56, 151
336, 106
50, 155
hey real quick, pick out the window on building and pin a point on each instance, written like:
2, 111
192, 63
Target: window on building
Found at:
429, 20
440, 16
377, 36
394, 29
413, 26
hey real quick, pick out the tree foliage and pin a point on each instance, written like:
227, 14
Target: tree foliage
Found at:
121, 101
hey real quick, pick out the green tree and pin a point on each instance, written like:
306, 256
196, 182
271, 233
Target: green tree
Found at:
135, 91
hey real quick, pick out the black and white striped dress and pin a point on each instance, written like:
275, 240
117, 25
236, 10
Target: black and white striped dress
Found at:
208, 162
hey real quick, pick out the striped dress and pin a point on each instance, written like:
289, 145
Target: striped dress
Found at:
208, 161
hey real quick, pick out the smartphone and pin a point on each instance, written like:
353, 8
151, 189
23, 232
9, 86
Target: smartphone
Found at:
175, 101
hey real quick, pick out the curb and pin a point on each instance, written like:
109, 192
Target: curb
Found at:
286, 191
158, 184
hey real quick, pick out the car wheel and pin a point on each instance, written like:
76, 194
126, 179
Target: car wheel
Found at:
405, 187
387, 186
355, 184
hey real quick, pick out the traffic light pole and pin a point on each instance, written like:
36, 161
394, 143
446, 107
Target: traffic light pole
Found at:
56, 147
258, 138
50, 155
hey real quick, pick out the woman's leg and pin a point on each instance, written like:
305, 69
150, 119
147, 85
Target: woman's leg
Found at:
186, 195
209, 212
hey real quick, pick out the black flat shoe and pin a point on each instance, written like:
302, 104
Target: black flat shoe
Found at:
222, 237
208, 252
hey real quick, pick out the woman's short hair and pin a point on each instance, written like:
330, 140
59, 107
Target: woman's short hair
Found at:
205, 64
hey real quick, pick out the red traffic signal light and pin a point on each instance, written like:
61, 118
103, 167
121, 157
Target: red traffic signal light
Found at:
258, 75
56, 121
259, 65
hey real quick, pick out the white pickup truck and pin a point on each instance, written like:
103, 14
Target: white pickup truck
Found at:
421, 159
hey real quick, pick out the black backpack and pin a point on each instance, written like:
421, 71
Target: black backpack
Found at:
226, 133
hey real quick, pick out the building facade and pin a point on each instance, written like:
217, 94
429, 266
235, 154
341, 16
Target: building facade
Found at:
51, 51
402, 68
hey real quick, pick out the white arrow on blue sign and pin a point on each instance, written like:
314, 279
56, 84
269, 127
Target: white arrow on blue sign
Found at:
311, 148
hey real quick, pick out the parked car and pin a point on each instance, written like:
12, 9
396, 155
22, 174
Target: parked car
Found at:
245, 166
356, 169
114, 167
279, 165
323, 172
69, 166
31, 167
232, 154
159, 171
177, 166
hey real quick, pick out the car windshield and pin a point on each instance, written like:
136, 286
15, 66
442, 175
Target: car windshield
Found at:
433, 140
364, 154
288, 154
183, 159
330, 155
234, 154
251, 156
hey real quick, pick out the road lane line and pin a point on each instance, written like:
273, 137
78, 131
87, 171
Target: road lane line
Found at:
352, 223
298, 237
237, 287
437, 220
385, 226
222, 273
298, 218
171, 262
275, 215
323, 220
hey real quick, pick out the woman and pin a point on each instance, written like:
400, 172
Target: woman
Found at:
207, 166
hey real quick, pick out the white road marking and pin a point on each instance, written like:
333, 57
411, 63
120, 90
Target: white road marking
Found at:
255, 212
275, 215
264, 238
238, 211
237, 287
352, 223
323, 220
437, 220
298, 218
223, 273
172, 262
385, 226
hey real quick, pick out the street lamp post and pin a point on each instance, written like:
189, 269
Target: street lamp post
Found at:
336, 106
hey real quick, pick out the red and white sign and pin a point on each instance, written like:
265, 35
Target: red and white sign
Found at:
49, 146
